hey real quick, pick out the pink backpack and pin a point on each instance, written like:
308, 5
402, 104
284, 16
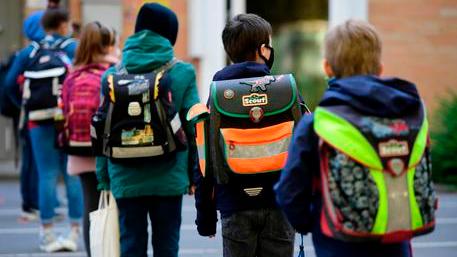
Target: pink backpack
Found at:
80, 99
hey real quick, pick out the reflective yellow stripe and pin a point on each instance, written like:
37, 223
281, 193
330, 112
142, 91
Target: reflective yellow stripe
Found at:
345, 137
416, 217
111, 88
416, 155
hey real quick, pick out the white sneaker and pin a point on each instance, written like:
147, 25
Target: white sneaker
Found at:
70, 242
28, 216
48, 241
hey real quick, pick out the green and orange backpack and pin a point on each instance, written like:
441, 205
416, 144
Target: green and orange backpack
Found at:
247, 129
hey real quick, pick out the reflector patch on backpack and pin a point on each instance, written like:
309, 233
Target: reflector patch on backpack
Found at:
251, 151
134, 109
376, 183
254, 191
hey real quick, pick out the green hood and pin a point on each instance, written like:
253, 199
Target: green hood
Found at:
145, 51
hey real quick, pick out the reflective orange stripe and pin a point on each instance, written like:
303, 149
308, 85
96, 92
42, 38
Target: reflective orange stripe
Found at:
258, 136
258, 165
200, 140
200, 127
250, 151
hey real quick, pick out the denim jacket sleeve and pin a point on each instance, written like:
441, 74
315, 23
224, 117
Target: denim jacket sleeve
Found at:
294, 189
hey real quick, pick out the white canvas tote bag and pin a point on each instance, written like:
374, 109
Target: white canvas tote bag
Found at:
104, 227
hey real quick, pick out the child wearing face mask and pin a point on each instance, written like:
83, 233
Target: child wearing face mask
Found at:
252, 224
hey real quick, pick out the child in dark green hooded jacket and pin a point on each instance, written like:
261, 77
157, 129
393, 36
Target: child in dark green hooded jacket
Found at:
154, 188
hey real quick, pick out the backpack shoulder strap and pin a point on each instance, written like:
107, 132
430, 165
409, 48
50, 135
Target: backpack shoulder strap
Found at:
120, 69
62, 43
169, 65
35, 48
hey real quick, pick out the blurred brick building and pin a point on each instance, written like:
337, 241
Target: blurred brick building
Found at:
200, 25
419, 36
419, 40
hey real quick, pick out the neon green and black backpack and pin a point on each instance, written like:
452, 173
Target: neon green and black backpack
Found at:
376, 175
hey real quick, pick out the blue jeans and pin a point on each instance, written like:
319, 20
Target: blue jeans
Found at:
261, 233
29, 174
165, 216
50, 163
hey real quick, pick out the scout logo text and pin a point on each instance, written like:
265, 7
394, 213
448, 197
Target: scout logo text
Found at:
255, 99
393, 148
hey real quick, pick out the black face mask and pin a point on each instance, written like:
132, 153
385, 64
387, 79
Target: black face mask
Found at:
270, 61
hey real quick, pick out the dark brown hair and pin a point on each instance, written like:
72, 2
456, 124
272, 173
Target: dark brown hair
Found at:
243, 35
353, 48
95, 39
53, 18
53, 3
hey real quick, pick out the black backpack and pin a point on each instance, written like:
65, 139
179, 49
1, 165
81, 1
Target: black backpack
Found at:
138, 119
44, 76
7, 107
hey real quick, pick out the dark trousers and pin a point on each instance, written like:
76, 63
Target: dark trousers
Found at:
329, 247
261, 233
165, 216
90, 196
28, 175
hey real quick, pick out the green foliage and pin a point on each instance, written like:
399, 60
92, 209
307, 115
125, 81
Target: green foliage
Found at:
279, 12
298, 50
444, 141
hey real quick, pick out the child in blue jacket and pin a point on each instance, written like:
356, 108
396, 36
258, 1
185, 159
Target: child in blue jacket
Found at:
352, 60
50, 162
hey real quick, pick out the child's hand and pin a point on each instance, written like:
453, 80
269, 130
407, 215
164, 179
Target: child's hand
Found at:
191, 190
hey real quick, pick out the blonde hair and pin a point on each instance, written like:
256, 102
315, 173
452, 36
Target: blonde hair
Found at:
353, 48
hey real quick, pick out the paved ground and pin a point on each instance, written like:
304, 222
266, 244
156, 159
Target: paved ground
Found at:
20, 240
